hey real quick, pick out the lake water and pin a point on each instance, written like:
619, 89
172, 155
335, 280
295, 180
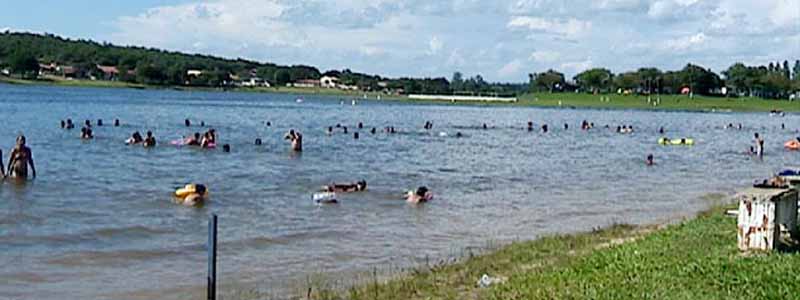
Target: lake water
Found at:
98, 222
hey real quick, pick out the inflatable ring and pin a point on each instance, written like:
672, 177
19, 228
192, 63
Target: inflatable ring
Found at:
191, 189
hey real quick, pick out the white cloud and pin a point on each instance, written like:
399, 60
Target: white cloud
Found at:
573, 67
685, 43
544, 56
371, 50
456, 59
570, 28
434, 45
510, 69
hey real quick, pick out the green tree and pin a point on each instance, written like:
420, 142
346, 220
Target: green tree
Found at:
797, 69
458, 81
282, 77
549, 81
24, 63
786, 71
594, 80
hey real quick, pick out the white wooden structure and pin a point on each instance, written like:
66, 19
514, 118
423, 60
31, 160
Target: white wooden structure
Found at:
454, 98
766, 217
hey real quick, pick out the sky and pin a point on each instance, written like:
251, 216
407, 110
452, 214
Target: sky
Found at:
500, 40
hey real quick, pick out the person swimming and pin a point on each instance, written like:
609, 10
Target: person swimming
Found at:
296, 139
458, 134
355, 135
649, 161
226, 148
661, 130
70, 125
150, 140
135, 138
63, 124
187, 122
484, 126
19, 159
116, 122
373, 131
530, 126
330, 130
358, 186
193, 141
360, 125
421, 195
207, 140
258, 142
345, 129
269, 124
566, 126
87, 123
86, 133
544, 128
99, 122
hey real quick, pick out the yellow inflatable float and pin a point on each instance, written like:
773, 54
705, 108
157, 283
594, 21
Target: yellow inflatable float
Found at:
191, 195
675, 142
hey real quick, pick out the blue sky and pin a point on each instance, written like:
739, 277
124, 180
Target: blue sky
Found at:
501, 40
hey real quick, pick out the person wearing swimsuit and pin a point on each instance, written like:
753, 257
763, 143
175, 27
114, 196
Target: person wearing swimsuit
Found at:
19, 160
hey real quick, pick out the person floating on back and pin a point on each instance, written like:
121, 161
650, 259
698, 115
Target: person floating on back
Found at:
19, 159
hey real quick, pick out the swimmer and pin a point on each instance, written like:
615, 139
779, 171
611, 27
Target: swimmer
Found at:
202, 123
150, 140
530, 126
296, 139
19, 159
420, 196
116, 122
87, 123
355, 135
373, 130
99, 122
193, 141
484, 126
258, 142
330, 130
345, 129
226, 148
135, 138
360, 125
458, 134
269, 124
359, 186
70, 125
63, 124
86, 133
649, 160
187, 123
566, 126
207, 140
544, 128
661, 130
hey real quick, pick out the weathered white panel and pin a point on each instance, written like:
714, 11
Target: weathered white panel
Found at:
762, 213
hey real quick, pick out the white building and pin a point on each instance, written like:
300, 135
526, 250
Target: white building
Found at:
329, 82
254, 82
194, 72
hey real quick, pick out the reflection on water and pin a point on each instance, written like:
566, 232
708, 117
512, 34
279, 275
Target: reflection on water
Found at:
99, 221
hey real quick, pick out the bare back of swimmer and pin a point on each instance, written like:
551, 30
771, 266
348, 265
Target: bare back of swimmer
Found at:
19, 159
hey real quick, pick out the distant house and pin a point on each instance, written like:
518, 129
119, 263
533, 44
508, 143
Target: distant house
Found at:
194, 73
6, 72
254, 82
306, 83
109, 72
48, 69
70, 72
329, 82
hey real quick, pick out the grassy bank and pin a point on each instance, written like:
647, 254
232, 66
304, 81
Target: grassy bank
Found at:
695, 259
567, 100
668, 102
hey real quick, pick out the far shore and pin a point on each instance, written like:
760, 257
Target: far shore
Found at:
552, 100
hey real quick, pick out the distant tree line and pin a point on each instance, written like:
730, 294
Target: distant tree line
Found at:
24, 54
777, 80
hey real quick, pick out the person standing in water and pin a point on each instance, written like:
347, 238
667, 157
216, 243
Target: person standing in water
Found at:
759, 141
19, 159
650, 160
296, 139
150, 140
2, 168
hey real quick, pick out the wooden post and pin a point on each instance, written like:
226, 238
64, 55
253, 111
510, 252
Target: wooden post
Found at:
212, 258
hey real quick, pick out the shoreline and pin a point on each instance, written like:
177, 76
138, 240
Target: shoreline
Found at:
669, 103
602, 263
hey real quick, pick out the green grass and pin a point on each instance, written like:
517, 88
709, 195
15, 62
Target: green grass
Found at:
696, 259
668, 102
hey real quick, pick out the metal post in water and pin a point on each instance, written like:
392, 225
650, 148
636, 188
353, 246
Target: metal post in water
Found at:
212, 258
